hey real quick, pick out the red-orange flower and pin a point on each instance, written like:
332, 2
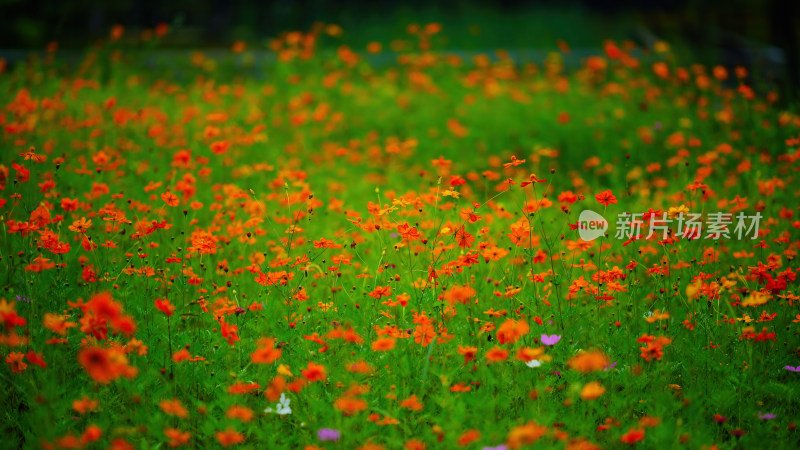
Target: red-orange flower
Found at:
383, 344
84, 405
242, 413
525, 435
229, 437
163, 305
511, 330
468, 352
651, 351
177, 437
606, 198
15, 361
349, 404
411, 403
469, 437
266, 353
497, 354
633, 436
424, 334
590, 361
170, 198
174, 407
105, 365
314, 372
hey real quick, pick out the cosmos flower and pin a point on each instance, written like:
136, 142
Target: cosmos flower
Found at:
550, 340
606, 198
282, 408
328, 434
633, 436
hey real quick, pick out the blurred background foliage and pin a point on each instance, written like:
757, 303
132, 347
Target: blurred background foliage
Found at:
728, 32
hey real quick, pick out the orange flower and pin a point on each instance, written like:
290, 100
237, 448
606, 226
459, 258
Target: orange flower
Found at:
459, 294
511, 330
219, 147
69, 441
591, 361
408, 233
525, 435
411, 403
581, 444
170, 198
84, 405
36, 359
414, 444
104, 306
606, 198
468, 352
92, 433
57, 323
633, 436
240, 412
469, 437
592, 390
349, 405
497, 354
371, 446
15, 360
163, 305
383, 344
116, 32
239, 47
266, 353
526, 354
314, 372
661, 69
229, 437
275, 388
651, 352
181, 356
242, 388
8, 315
161, 29
360, 366
174, 408
80, 225
177, 437
229, 332
424, 334
120, 444
105, 365
649, 421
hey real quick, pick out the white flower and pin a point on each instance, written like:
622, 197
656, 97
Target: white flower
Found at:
282, 407
533, 363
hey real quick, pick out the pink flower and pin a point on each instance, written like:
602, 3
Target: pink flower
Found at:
550, 340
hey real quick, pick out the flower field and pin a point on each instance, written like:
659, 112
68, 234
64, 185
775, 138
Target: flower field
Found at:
385, 248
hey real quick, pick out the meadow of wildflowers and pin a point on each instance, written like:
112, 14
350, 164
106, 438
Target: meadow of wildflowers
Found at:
332, 253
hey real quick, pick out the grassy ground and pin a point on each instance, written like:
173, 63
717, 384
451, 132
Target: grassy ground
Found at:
393, 250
